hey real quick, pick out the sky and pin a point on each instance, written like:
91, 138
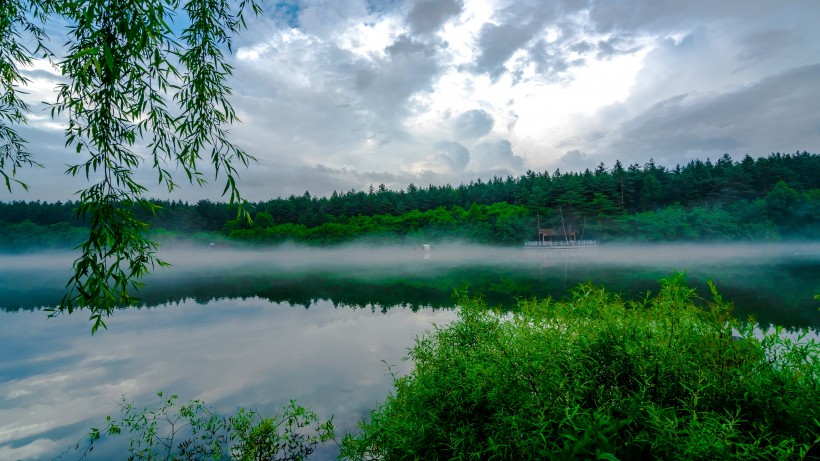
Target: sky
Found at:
337, 95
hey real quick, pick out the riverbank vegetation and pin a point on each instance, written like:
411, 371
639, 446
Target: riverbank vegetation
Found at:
598, 377
664, 376
767, 198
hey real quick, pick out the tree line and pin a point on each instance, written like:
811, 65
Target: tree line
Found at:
771, 197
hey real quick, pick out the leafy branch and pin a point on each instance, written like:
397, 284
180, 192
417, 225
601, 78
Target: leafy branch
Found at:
15, 23
132, 84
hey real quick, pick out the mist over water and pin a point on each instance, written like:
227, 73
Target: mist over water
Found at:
774, 281
345, 258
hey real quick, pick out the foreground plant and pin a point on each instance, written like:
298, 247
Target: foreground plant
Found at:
597, 377
192, 431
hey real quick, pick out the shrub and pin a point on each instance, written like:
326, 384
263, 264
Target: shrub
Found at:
668, 376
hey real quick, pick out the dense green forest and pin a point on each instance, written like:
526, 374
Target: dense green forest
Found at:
768, 198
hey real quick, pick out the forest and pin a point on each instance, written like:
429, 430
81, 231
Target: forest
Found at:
767, 198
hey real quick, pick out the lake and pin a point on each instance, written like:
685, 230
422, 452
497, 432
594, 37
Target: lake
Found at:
258, 327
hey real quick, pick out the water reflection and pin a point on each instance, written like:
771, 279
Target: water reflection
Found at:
774, 282
58, 381
233, 327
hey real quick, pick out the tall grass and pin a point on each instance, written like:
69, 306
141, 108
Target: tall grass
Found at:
668, 376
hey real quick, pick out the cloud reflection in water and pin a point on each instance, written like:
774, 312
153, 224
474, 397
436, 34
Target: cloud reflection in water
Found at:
58, 381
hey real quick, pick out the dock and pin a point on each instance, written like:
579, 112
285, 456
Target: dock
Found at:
561, 244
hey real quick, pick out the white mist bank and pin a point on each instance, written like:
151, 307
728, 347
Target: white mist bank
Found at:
458, 255
353, 257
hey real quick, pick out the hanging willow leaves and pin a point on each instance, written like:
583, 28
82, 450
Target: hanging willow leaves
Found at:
137, 87
16, 21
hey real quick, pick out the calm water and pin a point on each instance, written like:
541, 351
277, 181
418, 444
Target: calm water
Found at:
257, 328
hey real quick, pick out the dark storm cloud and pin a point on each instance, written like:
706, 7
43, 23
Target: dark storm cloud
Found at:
497, 44
474, 123
521, 27
387, 85
428, 16
755, 28
512, 29
552, 62
777, 113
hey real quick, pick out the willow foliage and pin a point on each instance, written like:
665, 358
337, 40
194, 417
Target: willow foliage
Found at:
143, 81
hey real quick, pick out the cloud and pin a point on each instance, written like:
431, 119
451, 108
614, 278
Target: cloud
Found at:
454, 155
498, 43
474, 123
616, 45
327, 18
427, 16
574, 160
777, 113
409, 67
662, 16
544, 34
772, 114
496, 156
312, 96
318, 179
552, 62
447, 159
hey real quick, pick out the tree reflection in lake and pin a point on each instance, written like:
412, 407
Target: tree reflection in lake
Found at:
774, 282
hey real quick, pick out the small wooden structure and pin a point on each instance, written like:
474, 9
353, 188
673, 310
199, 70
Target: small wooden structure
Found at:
547, 238
544, 234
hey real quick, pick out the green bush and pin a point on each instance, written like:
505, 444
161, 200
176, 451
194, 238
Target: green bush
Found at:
669, 376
